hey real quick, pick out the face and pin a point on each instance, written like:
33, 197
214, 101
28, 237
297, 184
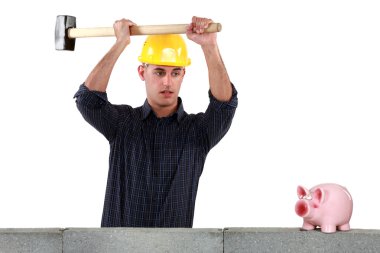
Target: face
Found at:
162, 85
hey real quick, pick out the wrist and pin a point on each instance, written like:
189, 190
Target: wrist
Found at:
122, 43
210, 48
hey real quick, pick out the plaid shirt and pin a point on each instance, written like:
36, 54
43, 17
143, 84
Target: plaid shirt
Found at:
155, 163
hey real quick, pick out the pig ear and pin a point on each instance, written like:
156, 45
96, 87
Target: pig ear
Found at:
319, 195
302, 192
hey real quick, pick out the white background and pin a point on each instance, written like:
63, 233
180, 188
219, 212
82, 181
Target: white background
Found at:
307, 73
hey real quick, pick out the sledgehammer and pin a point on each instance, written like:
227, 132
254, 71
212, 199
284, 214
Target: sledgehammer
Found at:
66, 31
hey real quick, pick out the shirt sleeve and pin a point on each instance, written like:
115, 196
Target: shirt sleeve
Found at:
98, 111
217, 119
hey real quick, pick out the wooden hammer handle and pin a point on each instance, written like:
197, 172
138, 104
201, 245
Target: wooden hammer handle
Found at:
137, 30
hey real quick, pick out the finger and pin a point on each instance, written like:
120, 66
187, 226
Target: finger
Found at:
200, 24
129, 22
189, 28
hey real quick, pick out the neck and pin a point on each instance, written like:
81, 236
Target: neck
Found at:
166, 111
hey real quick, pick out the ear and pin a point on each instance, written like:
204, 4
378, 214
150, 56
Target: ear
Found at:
302, 192
319, 195
141, 71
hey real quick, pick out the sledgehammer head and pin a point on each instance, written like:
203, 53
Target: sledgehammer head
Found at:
62, 40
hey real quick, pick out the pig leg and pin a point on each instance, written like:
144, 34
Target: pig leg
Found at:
344, 227
328, 228
307, 226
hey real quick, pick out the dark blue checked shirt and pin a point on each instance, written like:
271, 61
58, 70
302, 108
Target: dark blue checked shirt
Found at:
155, 163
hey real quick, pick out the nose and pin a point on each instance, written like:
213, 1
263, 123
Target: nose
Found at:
302, 208
167, 81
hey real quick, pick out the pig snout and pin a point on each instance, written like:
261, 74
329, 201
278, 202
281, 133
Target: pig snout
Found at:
302, 208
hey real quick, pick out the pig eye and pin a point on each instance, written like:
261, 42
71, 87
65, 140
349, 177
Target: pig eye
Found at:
308, 197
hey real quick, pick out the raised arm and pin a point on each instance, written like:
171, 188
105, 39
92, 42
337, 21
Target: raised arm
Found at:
220, 84
99, 77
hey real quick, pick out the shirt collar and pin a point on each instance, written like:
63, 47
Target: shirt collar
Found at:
179, 114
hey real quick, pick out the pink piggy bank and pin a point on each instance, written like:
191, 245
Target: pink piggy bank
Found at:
328, 206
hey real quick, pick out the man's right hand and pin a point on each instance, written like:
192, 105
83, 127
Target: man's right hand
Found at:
122, 31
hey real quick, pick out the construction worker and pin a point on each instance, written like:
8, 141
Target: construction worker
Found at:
157, 150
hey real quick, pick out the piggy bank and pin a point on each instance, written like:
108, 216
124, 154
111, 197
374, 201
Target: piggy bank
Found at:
328, 206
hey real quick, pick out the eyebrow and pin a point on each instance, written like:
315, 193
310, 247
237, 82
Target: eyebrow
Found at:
161, 69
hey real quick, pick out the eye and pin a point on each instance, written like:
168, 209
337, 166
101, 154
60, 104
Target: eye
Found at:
160, 73
176, 73
308, 197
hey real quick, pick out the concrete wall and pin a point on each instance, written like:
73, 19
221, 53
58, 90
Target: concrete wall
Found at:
186, 240
293, 240
143, 240
31, 240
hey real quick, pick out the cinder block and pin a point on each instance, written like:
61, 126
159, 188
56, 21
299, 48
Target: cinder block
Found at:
114, 240
31, 240
240, 240
293, 240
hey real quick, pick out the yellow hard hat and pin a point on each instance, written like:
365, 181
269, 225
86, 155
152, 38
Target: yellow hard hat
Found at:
168, 50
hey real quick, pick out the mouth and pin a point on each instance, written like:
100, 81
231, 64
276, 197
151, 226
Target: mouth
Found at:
167, 93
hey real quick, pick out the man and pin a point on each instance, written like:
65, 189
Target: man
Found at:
157, 151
